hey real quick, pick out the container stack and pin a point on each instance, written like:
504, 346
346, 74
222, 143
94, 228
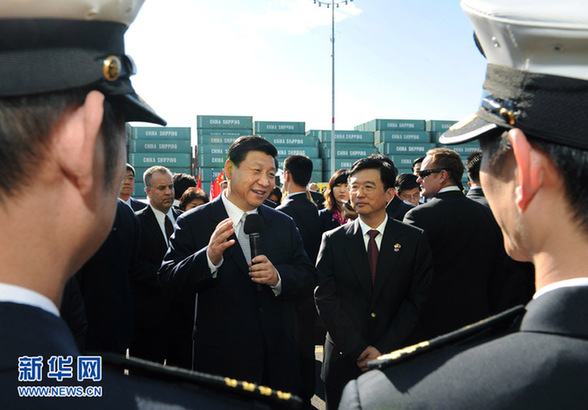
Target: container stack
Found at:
216, 133
349, 147
167, 146
289, 138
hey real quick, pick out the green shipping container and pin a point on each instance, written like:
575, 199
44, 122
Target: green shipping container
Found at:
159, 133
279, 127
403, 161
362, 137
167, 160
216, 140
347, 150
212, 160
439, 125
210, 173
224, 132
392, 125
284, 152
160, 146
339, 163
215, 149
291, 140
224, 121
402, 136
418, 149
139, 191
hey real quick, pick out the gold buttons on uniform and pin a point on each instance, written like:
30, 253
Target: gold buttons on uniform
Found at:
111, 68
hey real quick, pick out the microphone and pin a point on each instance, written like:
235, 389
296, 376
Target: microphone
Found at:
253, 227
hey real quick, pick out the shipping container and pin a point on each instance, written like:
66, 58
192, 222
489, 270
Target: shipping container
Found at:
216, 140
293, 140
402, 136
211, 160
348, 150
419, 149
284, 152
160, 146
439, 125
362, 137
167, 160
392, 125
159, 133
279, 127
224, 122
221, 132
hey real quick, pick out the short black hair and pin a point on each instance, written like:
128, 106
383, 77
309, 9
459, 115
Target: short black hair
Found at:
380, 162
131, 168
406, 181
416, 162
472, 166
300, 167
182, 182
242, 145
572, 163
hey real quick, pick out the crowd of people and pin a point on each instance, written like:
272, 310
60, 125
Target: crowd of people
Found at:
422, 295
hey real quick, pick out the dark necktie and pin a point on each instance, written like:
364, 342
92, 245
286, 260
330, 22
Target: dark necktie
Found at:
372, 253
169, 227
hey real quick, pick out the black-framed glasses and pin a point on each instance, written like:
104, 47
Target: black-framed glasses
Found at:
426, 172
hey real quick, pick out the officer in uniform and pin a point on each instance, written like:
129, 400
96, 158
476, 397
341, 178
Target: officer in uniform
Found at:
65, 95
532, 126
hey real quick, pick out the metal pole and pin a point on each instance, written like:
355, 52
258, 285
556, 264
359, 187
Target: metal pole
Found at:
333, 86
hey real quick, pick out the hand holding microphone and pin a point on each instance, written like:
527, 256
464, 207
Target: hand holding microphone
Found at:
262, 271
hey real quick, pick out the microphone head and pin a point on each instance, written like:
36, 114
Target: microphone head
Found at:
253, 224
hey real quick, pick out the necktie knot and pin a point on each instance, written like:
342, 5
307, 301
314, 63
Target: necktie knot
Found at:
373, 233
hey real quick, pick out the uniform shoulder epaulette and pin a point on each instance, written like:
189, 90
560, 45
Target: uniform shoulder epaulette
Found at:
222, 385
499, 322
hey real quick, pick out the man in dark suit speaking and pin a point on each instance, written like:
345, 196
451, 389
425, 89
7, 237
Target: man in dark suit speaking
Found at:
373, 280
244, 311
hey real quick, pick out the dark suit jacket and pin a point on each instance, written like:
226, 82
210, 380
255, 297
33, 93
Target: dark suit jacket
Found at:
326, 220
137, 205
34, 332
467, 249
104, 283
477, 194
305, 215
318, 199
539, 363
357, 314
239, 329
397, 208
152, 310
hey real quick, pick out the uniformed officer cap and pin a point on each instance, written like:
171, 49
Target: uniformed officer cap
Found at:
537, 74
55, 45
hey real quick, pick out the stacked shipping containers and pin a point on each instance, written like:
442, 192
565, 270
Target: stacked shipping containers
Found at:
167, 146
215, 135
289, 138
349, 147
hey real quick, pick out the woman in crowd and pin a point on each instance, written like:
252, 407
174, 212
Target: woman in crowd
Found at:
192, 197
338, 210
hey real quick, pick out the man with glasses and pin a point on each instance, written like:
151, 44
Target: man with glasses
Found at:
373, 279
466, 246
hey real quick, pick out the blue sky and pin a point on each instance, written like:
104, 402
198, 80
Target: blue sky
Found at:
271, 59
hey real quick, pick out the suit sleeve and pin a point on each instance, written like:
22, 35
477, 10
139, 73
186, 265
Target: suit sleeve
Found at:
409, 313
184, 269
297, 274
341, 330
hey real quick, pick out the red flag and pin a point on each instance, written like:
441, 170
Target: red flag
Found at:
199, 184
215, 187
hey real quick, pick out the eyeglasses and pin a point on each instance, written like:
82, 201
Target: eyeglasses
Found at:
426, 172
